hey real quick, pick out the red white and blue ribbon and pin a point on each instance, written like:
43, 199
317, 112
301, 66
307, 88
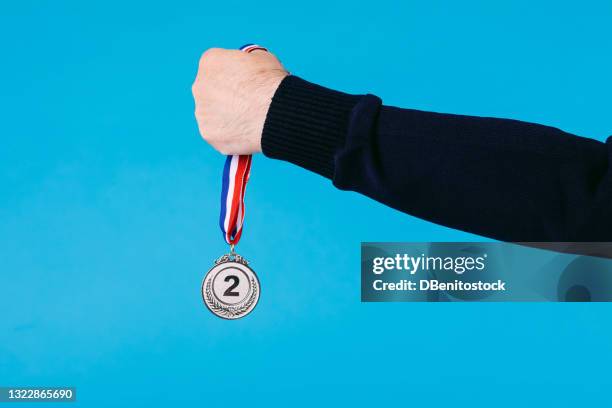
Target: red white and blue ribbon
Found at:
236, 174
252, 47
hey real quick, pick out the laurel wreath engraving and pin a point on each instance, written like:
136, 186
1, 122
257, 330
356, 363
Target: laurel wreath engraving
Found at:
230, 311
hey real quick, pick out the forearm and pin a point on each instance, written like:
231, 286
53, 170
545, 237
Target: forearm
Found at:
504, 179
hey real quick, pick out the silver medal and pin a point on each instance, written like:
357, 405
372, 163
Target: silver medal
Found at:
230, 289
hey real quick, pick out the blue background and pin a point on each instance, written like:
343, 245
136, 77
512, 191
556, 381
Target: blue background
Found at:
109, 205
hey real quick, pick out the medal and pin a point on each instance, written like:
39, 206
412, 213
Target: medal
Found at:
230, 289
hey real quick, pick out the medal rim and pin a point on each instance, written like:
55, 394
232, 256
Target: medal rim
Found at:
241, 265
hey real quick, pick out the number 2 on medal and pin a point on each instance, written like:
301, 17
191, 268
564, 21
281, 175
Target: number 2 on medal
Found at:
228, 291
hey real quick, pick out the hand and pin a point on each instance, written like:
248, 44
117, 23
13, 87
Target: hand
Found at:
232, 93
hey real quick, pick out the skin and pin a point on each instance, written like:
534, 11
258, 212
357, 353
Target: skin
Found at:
232, 93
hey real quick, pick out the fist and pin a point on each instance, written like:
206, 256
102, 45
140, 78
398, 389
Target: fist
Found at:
232, 93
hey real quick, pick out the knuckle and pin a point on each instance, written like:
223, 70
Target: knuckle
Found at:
209, 54
207, 133
206, 136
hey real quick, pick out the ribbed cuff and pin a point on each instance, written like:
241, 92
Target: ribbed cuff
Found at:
306, 124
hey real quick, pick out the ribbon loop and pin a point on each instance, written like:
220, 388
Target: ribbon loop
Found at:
235, 177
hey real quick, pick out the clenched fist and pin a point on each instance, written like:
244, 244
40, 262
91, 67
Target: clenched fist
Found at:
232, 93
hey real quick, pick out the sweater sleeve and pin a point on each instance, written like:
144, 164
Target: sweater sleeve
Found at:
505, 179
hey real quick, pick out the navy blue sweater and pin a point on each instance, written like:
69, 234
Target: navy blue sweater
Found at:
505, 179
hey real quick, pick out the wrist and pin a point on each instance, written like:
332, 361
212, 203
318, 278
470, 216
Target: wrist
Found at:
306, 124
265, 92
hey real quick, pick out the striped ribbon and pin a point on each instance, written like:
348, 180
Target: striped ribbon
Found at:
236, 174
